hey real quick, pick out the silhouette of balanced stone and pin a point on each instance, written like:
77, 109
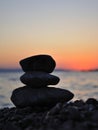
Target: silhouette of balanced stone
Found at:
37, 77
47, 96
44, 63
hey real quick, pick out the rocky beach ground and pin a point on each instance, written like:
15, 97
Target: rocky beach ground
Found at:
77, 115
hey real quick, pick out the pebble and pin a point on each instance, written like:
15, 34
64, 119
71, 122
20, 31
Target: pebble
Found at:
43, 63
47, 96
37, 79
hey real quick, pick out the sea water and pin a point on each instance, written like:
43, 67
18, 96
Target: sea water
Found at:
84, 85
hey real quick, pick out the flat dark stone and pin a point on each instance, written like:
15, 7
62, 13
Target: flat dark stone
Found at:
38, 63
38, 79
49, 96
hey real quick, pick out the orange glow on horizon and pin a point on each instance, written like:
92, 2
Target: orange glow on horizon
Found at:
77, 63
77, 66
64, 60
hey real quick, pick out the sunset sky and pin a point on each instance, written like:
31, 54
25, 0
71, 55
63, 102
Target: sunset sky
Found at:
65, 29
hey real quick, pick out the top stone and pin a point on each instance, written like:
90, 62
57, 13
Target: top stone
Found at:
43, 63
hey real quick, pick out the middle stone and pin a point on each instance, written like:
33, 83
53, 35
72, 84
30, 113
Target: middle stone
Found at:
39, 79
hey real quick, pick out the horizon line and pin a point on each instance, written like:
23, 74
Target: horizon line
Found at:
56, 69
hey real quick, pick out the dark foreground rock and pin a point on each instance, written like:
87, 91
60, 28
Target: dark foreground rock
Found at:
37, 79
43, 63
46, 96
77, 115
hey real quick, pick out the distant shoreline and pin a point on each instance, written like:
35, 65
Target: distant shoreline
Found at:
63, 70
10, 70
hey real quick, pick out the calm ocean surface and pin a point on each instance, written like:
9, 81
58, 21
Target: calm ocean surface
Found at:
83, 84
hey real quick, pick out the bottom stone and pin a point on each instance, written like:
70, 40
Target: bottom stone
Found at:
49, 96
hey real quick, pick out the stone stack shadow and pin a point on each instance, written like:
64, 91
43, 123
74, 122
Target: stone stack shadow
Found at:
36, 78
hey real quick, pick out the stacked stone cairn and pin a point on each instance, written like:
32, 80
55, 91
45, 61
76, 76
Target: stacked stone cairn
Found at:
36, 78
